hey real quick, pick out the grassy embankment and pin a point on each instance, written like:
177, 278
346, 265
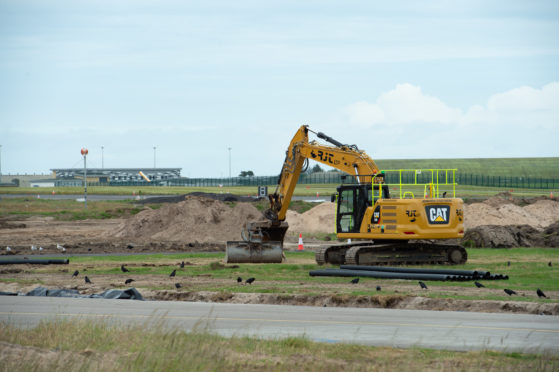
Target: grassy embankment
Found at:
509, 167
97, 346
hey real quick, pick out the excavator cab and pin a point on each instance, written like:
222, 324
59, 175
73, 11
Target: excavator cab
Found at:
353, 201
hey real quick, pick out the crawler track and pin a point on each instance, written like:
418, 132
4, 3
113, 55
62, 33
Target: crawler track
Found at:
368, 253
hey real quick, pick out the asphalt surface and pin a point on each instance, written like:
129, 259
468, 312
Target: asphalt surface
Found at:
379, 327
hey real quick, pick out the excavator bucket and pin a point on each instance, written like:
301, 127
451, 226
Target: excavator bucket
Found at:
262, 243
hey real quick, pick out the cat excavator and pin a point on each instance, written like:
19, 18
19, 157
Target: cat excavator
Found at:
380, 229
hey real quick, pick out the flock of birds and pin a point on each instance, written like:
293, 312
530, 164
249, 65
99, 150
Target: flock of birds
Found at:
124, 269
60, 247
510, 292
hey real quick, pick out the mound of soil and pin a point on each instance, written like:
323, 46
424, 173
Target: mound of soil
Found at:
320, 219
500, 211
225, 197
495, 236
195, 219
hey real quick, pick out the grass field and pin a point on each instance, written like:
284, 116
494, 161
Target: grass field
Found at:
515, 167
528, 271
97, 346
322, 190
66, 210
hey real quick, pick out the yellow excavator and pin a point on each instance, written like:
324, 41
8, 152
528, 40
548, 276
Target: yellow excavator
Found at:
380, 229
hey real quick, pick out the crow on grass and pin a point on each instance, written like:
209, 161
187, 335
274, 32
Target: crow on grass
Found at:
378, 288
355, 281
173, 273
87, 280
75, 274
510, 292
178, 285
239, 279
540, 293
128, 281
422, 285
479, 285
124, 269
250, 280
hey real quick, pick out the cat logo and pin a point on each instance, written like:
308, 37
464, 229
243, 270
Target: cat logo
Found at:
438, 214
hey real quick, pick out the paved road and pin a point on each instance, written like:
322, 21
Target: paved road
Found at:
398, 328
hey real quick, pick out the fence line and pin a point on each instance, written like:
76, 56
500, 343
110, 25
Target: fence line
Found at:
339, 178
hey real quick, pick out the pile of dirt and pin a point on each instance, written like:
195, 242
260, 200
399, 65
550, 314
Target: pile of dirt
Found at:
196, 219
379, 301
500, 211
495, 236
320, 219
503, 222
224, 197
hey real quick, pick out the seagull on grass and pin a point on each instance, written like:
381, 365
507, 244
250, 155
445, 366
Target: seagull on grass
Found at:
33, 248
60, 248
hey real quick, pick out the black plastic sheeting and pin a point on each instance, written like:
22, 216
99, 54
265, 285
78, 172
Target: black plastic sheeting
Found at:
35, 261
117, 294
404, 273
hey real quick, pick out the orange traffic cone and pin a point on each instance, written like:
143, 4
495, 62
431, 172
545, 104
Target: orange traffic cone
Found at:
300, 246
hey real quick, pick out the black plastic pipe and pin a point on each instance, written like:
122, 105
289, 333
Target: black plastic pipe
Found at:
381, 274
34, 261
476, 274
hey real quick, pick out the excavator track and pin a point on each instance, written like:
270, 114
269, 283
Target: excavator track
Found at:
406, 254
334, 254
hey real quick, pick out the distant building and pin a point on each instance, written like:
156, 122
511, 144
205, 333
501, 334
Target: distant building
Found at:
74, 176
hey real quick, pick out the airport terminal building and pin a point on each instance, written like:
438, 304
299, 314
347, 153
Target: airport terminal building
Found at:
74, 176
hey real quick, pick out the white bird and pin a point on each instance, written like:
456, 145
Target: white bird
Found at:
60, 248
8, 249
40, 248
33, 248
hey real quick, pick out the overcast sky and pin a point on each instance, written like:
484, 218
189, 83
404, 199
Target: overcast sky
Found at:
401, 79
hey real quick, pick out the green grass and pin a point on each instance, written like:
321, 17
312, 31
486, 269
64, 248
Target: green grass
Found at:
324, 191
67, 210
515, 167
97, 346
527, 272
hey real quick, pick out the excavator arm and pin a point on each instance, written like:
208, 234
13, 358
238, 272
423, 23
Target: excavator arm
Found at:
347, 158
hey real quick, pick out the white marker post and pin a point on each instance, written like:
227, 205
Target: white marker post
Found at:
84, 153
